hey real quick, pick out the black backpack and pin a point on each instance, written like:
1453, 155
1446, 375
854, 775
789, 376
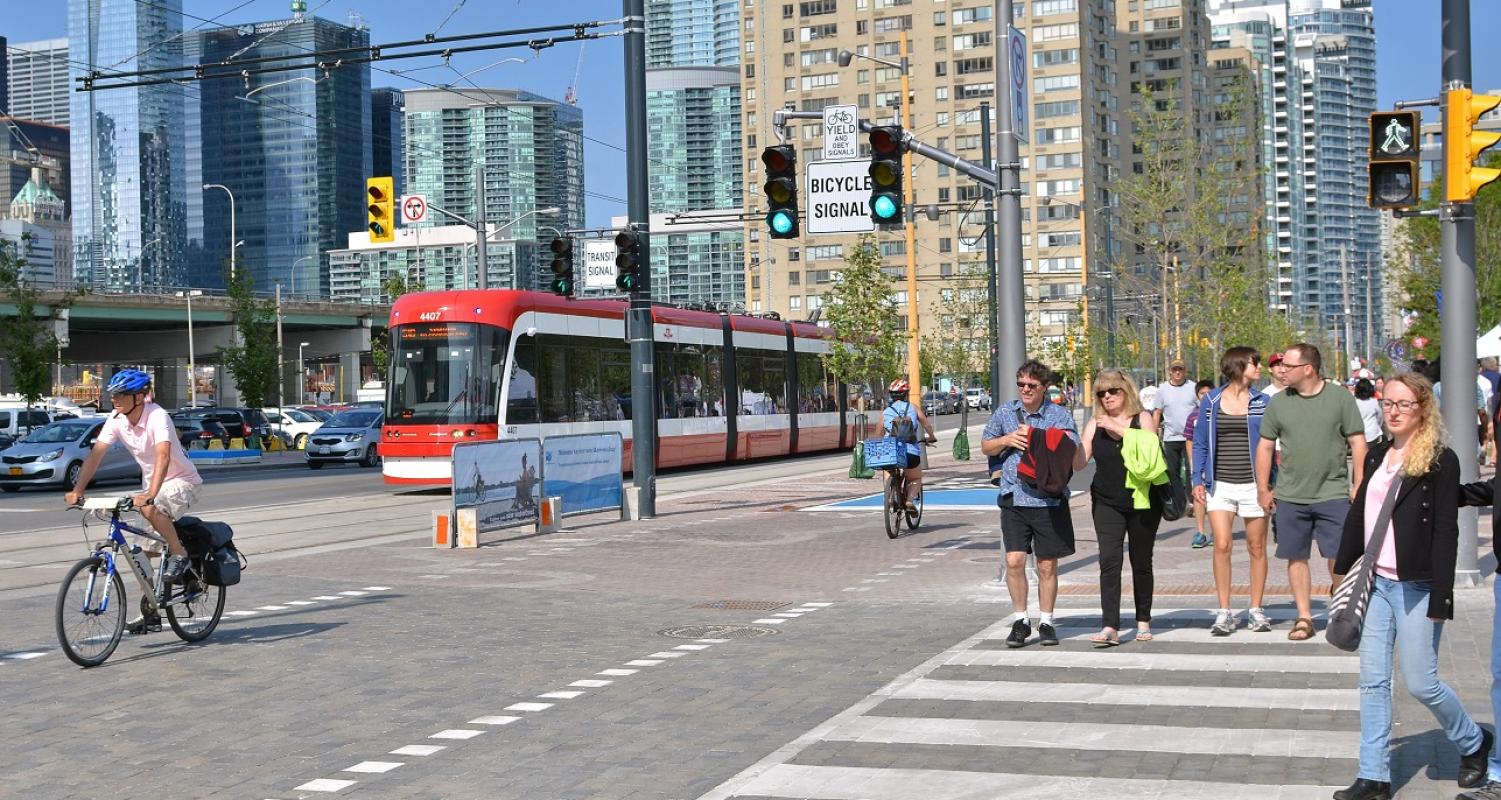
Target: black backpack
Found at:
904, 428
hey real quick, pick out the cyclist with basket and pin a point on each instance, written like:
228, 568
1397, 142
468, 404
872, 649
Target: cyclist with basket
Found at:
169, 480
901, 420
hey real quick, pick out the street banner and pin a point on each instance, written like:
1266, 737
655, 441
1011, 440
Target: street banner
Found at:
501, 480
584, 470
599, 264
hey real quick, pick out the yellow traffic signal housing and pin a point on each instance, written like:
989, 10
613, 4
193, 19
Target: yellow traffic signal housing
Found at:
381, 205
1463, 144
1395, 158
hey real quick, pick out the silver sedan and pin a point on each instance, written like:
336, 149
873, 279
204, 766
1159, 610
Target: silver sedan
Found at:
53, 456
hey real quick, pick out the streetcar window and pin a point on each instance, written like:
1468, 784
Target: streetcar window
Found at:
690, 380
763, 381
577, 380
815, 386
445, 373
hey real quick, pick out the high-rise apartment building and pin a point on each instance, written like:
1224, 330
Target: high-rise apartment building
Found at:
530, 149
692, 33
134, 217
1074, 149
387, 110
38, 81
293, 147
693, 138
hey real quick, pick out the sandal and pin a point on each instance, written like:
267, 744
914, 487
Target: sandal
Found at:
1143, 635
1102, 639
1302, 630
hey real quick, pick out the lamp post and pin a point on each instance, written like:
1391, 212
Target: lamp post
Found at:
233, 234
903, 67
192, 361
301, 375
545, 212
294, 272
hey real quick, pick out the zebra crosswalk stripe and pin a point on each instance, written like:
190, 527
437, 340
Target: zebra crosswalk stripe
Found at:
965, 724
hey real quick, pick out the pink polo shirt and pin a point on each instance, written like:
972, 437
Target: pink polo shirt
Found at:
141, 440
1375, 492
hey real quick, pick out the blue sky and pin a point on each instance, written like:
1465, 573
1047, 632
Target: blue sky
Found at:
1407, 50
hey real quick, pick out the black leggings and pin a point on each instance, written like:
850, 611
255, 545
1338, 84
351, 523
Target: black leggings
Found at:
1114, 528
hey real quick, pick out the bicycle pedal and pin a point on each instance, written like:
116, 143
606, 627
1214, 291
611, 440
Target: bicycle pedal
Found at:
145, 626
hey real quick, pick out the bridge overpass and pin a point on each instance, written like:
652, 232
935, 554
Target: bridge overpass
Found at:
102, 331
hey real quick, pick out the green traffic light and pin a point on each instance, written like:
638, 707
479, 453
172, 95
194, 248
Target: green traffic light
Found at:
562, 286
884, 207
781, 222
625, 282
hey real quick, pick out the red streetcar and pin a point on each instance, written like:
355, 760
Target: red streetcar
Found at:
477, 365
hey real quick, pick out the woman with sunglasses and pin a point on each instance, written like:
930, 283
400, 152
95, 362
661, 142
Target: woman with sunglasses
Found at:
1412, 591
1117, 520
1224, 479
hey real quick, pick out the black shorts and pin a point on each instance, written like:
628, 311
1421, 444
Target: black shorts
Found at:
1045, 532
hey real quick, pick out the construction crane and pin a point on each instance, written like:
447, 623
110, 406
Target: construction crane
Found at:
571, 97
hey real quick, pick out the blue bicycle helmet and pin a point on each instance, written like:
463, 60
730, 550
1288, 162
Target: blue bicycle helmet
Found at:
128, 381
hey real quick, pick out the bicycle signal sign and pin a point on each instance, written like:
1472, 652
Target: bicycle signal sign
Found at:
841, 133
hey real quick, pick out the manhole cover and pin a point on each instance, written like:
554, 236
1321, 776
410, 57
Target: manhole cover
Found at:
744, 605
718, 631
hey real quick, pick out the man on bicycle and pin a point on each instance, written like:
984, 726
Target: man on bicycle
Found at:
898, 408
169, 480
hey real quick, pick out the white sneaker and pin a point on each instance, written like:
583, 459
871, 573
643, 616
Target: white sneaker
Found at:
1259, 621
1224, 624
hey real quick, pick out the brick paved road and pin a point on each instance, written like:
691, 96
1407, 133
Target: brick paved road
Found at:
537, 668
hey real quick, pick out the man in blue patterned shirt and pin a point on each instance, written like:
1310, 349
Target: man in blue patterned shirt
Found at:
1030, 522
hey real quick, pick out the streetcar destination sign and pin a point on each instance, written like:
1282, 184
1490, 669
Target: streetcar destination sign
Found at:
839, 197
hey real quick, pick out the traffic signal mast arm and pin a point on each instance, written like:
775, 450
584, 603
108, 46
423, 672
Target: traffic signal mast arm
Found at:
969, 168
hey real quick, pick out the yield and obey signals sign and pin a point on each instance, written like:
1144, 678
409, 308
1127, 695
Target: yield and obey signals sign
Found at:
841, 133
414, 208
599, 264
839, 197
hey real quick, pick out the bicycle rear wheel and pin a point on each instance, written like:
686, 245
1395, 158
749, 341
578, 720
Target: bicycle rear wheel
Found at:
90, 612
195, 612
914, 517
891, 509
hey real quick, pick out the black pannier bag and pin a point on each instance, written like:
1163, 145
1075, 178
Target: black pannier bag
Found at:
212, 545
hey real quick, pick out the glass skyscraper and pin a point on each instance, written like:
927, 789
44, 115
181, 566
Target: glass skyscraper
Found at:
693, 135
387, 108
531, 149
294, 147
133, 222
692, 33
38, 81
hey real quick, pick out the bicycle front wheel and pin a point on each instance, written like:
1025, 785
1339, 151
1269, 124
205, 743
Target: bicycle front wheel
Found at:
90, 612
892, 508
195, 614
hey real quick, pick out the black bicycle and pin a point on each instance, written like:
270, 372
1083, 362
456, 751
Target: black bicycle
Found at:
896, 512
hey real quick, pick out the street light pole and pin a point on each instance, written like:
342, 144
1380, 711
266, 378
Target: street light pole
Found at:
192, 362
990, 282
294, 272
482, 265
914, 343
234, 240
1011, 308
301, 375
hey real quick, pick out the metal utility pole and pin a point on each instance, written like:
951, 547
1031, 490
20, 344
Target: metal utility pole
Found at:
990, 280
1110, 290
481, 265
1011, 307
1370, 351
1344, 283
281, 370
1457, 316
914, 345
639, 328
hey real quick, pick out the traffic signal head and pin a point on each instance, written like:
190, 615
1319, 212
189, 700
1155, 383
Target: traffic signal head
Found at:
1395, 156
1463, 144
562, 266
628, 261
381, 206
781, 191
886, 148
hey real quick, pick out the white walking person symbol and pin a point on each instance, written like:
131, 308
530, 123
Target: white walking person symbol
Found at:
1396, 137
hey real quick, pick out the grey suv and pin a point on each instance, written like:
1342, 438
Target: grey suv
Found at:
350, 436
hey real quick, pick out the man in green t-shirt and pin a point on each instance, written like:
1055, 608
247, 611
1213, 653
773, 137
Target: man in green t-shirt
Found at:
1319, 427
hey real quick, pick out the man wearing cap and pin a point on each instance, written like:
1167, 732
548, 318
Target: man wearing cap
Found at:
1176, 402
1279, 375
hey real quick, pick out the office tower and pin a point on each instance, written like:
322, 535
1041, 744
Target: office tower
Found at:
293, 147
26, 145
4, 77
692, 33
134, 213
38, 81
36, 223
1073, 150
387, 107
531, 151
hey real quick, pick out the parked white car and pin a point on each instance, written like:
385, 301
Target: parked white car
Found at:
294, 424
977, 398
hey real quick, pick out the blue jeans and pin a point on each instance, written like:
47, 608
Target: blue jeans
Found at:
1398, 615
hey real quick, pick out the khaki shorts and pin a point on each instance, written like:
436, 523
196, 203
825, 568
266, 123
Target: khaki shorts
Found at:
176, 497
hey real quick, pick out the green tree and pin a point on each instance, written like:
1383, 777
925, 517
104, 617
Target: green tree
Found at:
251, 361
27, 343
393, 287
1419, 261
959, 345
869, 340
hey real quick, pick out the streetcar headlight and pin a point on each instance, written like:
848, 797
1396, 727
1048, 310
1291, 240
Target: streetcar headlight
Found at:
52, 456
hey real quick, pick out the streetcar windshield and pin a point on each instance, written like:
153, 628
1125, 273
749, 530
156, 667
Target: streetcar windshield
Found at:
445, 373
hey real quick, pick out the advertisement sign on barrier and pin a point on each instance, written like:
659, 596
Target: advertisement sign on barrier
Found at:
501, 480
584, 470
